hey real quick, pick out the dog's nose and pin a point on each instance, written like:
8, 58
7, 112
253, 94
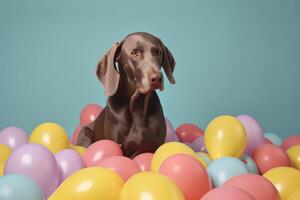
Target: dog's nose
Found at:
155, 80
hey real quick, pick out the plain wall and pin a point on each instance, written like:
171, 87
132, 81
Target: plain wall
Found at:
233, 57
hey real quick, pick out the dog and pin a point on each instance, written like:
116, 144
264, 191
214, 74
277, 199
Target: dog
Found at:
131, 73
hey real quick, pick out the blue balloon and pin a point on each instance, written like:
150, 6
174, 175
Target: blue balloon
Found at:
275, 139
250, 164
222, 169
17, 187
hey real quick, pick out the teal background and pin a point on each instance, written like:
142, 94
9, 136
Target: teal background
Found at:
233, 57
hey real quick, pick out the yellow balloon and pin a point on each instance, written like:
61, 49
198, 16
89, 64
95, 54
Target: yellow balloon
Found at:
150, 185
50, 135
225, 136
91, 183
285, 179
5, 152
295, 195
294, 155
79, 149
171, 148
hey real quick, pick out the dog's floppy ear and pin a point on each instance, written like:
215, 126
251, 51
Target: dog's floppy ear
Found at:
168, 63
107, 72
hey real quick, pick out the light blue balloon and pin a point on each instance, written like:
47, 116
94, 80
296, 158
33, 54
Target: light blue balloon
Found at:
250, 164
275, 139
222, 169
19, 187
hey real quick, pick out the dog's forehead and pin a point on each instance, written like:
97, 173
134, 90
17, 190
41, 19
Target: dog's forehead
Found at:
137, 40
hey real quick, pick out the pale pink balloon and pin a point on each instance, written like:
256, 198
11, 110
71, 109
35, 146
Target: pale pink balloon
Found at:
89, 113
75, 135
258, 186
144, 161
123, 166
227, 193
170, 132
255, 134
100, 150
290, 141
13, 137
188, 174
188, 132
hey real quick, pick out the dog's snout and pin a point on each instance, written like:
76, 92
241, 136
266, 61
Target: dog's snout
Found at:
155, 80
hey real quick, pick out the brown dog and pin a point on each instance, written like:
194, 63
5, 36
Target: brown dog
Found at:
133, 116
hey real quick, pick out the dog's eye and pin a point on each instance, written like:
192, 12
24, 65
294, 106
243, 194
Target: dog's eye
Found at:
157, 52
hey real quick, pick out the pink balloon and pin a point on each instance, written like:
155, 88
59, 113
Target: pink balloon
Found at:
290, 141
123, 166
255, 134
227, 193
36, 162
258, 186
144, 161
170, 132
267, 141
13, 137
75, 135
100, 150
188, 132
69, 161
89, 113
188, 174
268, 156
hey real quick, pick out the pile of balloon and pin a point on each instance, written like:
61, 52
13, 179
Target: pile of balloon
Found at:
233, 159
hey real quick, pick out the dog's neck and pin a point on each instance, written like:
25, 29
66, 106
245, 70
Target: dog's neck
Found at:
127, 94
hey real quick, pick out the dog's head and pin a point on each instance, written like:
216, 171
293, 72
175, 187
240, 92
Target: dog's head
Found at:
141, 56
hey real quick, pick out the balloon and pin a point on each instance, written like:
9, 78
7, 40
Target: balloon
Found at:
205, 157
144, 161
100, 150
50, 135
13, 137
168, 149
267, 141
223, 169
268, 156
285, 179
188, 174
225, 136
38, 163
258, 186
170, 132
275, 139
188, 132
255, 135
294, 155
79, 149
17, 187
91, 183
250, 164
197, 145
227, 193
123, 166
69, 161
290, 141
75, 134
5, 152
150, 185
295, 195
89, 113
